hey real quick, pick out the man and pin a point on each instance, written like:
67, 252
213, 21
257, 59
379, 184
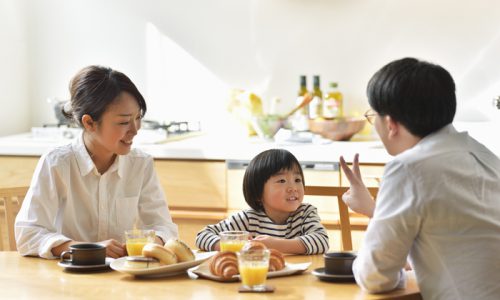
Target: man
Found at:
439, 201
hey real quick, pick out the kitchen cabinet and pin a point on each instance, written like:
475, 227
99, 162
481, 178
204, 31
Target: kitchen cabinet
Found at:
371, 174
202, 192
17, 170
193, 184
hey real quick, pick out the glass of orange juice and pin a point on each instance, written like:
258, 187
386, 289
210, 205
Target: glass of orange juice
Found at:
233, 240
253, 266
135, 239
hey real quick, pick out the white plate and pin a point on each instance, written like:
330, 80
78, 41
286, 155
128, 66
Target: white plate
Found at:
290, 269
118, 265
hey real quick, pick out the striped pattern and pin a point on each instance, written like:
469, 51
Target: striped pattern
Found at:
304, 224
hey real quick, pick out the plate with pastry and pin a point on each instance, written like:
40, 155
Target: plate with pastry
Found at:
173, 258
223, 266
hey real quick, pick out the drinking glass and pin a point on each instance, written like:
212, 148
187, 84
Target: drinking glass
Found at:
135, 240
253, 266
233, 240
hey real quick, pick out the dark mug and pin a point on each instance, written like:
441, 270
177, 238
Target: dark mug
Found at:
339, 263
85, 254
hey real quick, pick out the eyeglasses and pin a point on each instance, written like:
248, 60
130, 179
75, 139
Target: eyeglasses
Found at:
370, 116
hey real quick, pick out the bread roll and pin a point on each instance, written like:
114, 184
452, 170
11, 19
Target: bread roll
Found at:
164, 255
224, 264
140, 262
253, 245
276, 260
181, 250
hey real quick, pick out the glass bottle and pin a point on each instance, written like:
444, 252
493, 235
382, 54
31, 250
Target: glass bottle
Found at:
316, 105
333, 103
300, 119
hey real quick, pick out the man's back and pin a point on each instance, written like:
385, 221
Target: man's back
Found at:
456, 253
441, 201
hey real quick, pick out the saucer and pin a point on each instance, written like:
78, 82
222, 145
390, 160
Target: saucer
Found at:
320, 273
67, 265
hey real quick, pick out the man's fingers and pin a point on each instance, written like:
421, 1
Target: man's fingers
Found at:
355, 166
348, 172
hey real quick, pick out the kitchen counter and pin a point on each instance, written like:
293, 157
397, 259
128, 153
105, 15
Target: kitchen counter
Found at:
218, 147
213, 147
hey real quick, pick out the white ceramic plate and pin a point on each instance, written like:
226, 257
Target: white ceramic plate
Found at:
118, 265
290, 269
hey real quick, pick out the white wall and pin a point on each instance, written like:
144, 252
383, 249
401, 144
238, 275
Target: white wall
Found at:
14, 88
185, 55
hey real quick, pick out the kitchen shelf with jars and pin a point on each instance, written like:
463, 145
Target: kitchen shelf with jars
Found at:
316, 115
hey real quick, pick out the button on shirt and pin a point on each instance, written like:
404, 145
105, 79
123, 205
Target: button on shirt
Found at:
439, 202
69, 200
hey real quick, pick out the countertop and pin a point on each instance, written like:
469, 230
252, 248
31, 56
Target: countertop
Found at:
210, 146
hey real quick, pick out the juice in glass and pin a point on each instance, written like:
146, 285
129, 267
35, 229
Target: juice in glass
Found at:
135, 240
233, 246
253, 266
253, 275
134, 246
233, 240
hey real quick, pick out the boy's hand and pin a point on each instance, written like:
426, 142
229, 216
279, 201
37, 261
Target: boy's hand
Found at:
358, 197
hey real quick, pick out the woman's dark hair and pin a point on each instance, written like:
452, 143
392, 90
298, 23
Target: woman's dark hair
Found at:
94, 88
261, 168
417, 94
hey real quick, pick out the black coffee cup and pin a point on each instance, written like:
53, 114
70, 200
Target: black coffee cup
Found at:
85, 254
339, 263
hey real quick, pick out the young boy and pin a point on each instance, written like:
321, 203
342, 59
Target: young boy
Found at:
439, 202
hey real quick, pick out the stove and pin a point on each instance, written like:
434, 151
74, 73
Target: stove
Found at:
151, 132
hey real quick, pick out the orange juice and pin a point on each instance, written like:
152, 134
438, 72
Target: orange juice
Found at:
253, 275
233, 246
134, 246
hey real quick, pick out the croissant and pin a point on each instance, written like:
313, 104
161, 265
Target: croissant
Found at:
224, 264
253, 245
276, 260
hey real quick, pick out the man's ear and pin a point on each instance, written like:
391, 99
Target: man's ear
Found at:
393, 127
88, 123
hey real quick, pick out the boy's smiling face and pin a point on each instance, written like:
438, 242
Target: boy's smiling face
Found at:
283, 194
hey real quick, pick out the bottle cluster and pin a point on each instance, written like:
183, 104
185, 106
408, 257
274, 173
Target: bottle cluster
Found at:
327, 105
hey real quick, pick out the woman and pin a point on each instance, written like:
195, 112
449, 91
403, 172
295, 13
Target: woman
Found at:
95, 188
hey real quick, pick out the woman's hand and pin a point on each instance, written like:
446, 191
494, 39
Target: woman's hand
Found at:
358, 197
114, 248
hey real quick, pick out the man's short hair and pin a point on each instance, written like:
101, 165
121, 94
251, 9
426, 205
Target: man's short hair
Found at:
415, 93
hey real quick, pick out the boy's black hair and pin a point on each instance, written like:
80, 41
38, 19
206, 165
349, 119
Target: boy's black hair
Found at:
415, 93
261, 168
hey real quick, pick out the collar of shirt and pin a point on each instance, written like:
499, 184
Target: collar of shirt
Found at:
85, 163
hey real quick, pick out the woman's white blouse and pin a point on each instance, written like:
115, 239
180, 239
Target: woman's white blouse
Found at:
69, 200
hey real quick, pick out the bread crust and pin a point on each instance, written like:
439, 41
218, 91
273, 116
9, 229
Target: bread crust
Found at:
276, 260
164, 255
181, 250
253, 245
224, 264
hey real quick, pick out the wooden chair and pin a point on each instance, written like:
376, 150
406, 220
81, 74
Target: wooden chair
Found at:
12, 199
344, 215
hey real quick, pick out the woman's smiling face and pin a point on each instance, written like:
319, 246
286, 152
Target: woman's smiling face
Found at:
119, 125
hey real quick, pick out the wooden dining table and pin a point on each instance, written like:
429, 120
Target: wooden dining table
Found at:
37, 278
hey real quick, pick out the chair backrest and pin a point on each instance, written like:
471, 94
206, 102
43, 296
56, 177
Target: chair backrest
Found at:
344, 221
12, 199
